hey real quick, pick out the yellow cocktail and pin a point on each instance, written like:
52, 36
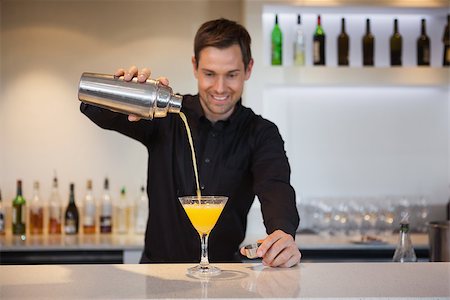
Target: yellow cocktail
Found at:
203, 212
203, 217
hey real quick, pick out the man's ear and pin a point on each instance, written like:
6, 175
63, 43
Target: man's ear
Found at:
248, 72
194, 66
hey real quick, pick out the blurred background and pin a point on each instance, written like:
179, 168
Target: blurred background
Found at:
357, 138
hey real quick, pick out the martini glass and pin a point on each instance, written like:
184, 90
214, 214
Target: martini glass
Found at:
203, 212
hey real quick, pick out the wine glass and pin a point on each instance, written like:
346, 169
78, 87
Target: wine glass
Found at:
203, 212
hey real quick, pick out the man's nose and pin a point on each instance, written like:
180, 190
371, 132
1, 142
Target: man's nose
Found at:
219, 85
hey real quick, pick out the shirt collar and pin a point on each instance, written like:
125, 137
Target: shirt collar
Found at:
200, 114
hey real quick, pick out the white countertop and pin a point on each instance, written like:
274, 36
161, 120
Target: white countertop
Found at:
308, 280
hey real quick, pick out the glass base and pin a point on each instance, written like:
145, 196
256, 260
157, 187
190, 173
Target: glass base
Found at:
204, 271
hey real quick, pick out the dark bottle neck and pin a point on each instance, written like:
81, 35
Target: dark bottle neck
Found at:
276, 19
424, 31
343, 25
19, 188
319, 23
395, 26
72, 194
367, 26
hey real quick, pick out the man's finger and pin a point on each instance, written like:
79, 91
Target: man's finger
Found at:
144, 74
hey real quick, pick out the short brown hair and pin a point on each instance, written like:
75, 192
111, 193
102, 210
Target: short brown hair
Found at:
223, 33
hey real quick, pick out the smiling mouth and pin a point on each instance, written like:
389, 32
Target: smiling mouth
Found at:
219, 98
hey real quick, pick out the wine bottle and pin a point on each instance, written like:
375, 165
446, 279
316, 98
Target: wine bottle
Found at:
299, 45
319, 44
71, 217
36, 211
122, 213
55, 209
89, 210
106, 209
446, 41
19, 212
277, 44
396, 46
368, 42
2, 216
141, 212
343, 46
423, 47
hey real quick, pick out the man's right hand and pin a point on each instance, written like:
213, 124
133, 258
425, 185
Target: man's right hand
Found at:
142, 76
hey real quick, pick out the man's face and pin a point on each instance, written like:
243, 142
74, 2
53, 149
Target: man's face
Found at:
220, 75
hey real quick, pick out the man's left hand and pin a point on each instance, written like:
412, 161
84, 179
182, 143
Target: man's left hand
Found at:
278, 250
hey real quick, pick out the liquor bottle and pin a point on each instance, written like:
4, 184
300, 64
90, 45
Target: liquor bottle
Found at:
404, 251
141, 212
122, 213
106, 209
446, 41
36, 211
55, 209
299, 45
423, 47
343, 46
2, 216
277, 44
319, 44
396, 46
368, 42
19, 212
71, 217
89, 210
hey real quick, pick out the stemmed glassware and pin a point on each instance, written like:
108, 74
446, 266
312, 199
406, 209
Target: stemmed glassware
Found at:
203, 212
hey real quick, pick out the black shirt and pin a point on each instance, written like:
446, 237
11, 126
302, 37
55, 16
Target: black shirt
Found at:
240, 157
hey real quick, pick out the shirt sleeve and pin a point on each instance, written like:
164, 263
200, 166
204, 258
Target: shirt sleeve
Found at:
106, 119
271, 171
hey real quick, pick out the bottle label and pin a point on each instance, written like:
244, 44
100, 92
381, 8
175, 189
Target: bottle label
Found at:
89, 214
426, 55
316, 51
447, 55
18, 214
55, 212
88, 221
70, 227
105, 221
2, 223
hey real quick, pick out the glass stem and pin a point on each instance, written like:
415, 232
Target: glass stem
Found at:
204, 260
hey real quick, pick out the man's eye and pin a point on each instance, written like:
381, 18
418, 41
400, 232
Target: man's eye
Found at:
233, 75
209, 74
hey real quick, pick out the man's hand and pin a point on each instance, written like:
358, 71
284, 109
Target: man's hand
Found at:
278, 250
142, 76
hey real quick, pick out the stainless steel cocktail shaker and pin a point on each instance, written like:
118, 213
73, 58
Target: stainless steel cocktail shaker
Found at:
147, 100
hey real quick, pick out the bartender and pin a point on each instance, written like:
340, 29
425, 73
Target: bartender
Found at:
240, 155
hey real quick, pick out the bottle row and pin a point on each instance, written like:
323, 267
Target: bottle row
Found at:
88, 216
396, 49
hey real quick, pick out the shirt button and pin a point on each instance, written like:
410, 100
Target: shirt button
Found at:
202, 187
213, 134
207, 160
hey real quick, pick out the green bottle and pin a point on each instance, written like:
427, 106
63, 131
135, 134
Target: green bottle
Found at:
277, 44
19, 212
319, 44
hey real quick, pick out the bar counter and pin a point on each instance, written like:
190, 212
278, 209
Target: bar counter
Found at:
170, 281
116, 248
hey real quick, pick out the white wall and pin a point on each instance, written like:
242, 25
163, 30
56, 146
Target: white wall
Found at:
46, 45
